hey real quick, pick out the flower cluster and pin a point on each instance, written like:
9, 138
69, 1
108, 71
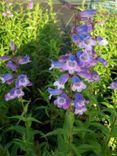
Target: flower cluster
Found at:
78, 67
13, 63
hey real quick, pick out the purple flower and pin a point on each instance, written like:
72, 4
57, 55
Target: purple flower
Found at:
102, 41
85, 73
75, 38
56, 64
13, 46
62, 101
61, 81
30, 4
88, 44
11, 66
22, 81
94, 76
14, 93
77, 85
102, 60
113, 85
85, 59
80, 104
54, 92
24, 60
84, 28
7, 78
4, 58
87, 13
71, 65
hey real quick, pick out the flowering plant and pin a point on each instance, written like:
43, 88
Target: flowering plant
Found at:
77, 68
21, 81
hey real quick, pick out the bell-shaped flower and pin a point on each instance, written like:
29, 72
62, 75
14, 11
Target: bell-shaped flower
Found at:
87, 13
11, 65
4, 58
14, 93
22, 81
54, 92
7, 78
80, 104
71, 65
102, 60
23, 60
102, 41
113, 85
56, 64
77, 84
62, 101
61, 81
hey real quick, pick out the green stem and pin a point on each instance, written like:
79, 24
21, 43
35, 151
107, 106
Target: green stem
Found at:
110, 134
68, 127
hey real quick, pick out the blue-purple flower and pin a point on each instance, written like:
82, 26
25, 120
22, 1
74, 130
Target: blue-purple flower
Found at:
14, 93
22, 81
71, 65
77, 84
113, 85
7, 78
4, 58
24, 60
80, 104
87, 13
62, 101
102, 41
61, 81
11, 65
54, 92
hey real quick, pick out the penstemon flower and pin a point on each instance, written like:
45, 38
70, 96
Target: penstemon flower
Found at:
78, 66
21, 81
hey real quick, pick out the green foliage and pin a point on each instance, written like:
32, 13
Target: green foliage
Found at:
33, 126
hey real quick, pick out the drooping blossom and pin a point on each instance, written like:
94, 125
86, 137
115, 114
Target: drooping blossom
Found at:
87, 13
80, 104
61, 81
23, 60
113, 85
102, 41
14, 93
54, 92
11, 65
22, 81
62, 101
7, 78
77, 84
